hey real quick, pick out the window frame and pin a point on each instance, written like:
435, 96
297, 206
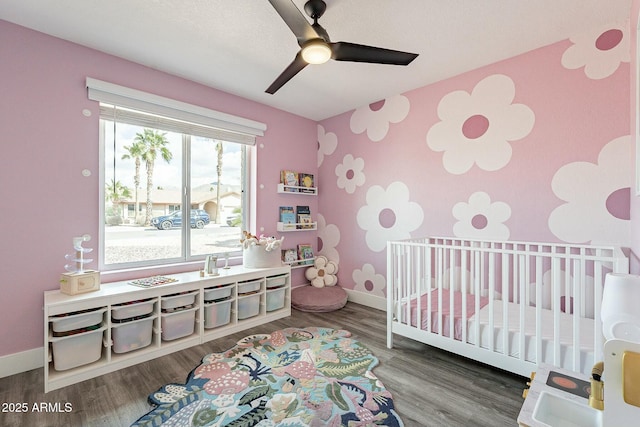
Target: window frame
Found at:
240, 130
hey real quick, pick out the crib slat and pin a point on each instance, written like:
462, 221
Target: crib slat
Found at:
539, 304
578, 278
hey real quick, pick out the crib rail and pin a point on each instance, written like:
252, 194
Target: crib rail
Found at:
508, 304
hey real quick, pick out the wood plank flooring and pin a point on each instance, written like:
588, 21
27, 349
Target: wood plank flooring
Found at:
430, 387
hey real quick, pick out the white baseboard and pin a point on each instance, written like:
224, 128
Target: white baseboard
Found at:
366, 299
15, 363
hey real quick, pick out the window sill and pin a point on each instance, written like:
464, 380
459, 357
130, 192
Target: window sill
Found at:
109, 276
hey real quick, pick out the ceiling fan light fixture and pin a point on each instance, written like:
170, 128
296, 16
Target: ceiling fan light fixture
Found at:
316, 52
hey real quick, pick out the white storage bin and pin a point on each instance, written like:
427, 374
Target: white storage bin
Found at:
249, 286
178, 324
212, 294
276, 281
76, 320
177, 300
132, 335
248, 306
275, 299
77, 350
131, 309
217, 314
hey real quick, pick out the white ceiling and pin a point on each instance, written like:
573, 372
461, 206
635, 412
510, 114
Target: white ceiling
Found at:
241, 46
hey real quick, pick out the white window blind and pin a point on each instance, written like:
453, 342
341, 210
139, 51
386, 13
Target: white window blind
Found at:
144, 109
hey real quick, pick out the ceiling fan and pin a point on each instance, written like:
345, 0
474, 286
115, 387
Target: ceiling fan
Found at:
317, 48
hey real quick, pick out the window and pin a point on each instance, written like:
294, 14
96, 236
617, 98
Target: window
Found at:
159, 170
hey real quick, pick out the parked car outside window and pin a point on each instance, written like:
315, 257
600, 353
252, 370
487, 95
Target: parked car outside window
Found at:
199, 218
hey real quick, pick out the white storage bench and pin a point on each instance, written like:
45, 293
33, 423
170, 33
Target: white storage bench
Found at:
91, 334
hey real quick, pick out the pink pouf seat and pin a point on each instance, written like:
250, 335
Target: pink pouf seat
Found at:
319, 300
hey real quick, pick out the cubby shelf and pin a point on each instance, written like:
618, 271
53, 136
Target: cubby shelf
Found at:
268, 292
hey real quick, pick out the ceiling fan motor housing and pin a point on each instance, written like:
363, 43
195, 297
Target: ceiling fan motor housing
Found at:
315, 8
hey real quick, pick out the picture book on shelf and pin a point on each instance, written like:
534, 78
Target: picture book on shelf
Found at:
305, 252
303, 217
289, 178
306, 183
289, 255
287, 215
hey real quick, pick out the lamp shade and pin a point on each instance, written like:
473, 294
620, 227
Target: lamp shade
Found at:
620, 312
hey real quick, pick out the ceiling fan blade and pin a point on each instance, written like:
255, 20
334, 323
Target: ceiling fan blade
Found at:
294, 68
344, 51
295, 20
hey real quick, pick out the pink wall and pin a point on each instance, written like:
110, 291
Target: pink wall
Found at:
47, 142
536, 147
635, 201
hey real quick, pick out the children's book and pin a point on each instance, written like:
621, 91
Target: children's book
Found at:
306, 183
288, 217
290, 180
289, 255
305, 252
303, 217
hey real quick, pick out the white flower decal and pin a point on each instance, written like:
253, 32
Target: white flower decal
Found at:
478, 127
323, 273
600, 51
366, 280
350, 174
327, 143
388, 215
375, 118
598, 197
481, 219
328, 239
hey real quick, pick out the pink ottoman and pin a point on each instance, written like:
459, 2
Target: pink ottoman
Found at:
320, 300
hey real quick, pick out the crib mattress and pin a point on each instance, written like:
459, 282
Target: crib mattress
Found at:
429, 317
586, 335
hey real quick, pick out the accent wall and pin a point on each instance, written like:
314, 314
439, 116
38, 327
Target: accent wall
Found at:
533, 148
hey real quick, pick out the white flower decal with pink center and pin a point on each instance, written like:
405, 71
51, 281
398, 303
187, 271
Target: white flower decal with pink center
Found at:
368, 281
327, 143
597, 196
481, 219
477, 127
375, 118
388, 215
600, 52
328, 239
350, 174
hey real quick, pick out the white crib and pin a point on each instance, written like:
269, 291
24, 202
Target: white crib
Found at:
507, 304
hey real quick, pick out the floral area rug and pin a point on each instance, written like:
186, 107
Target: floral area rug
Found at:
314, 377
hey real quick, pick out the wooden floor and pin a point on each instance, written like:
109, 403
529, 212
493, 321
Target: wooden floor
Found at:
430, 387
